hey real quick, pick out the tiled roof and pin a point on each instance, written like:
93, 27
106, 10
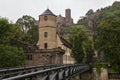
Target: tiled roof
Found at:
47, 12
65, 42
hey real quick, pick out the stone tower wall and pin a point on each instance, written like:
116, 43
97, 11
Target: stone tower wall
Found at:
68, 13
51, 21
48, 26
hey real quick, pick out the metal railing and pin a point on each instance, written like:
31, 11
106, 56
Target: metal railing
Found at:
9, 72
56, 73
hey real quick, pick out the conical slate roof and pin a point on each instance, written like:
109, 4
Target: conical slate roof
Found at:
47, 12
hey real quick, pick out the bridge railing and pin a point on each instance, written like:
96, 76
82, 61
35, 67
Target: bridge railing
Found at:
56, 73
8, 72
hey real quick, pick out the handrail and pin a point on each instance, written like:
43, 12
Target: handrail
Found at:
67, 70
26, 68
5, 73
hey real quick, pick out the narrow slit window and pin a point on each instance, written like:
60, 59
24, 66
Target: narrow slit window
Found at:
45, 34
45, 18
45, 45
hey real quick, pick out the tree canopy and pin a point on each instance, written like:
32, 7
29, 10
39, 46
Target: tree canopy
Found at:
26, 23
29, 27
105, 26
108, 37
11, 52
82, 43
15, 38
11, 56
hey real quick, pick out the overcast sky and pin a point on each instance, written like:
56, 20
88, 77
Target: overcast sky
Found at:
14, 9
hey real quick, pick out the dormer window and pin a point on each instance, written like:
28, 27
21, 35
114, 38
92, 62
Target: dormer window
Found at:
45, 18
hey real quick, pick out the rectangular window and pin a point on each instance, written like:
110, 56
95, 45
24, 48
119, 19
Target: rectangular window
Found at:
45, 45
45, 34
29, 57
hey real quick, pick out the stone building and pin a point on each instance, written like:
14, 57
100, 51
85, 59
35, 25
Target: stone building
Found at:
52, 48
66, 21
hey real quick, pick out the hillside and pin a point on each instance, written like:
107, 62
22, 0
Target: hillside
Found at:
92, 19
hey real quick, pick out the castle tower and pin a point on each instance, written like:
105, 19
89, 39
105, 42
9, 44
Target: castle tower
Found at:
68, 14
68, 19
47, 30
48, 39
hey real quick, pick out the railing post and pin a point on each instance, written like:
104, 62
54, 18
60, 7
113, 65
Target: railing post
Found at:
48, 76
33, 78
57, 75
72, 71
64, 75
69, 73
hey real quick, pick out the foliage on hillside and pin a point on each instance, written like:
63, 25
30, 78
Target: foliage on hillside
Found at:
108, 38
105, 26
90, 20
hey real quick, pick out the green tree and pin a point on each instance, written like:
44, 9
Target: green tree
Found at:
6, 31
33, 32
108, 37
109, 43
11, 56
82, 44
11, 53
10, 34
30, 29
26, 23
